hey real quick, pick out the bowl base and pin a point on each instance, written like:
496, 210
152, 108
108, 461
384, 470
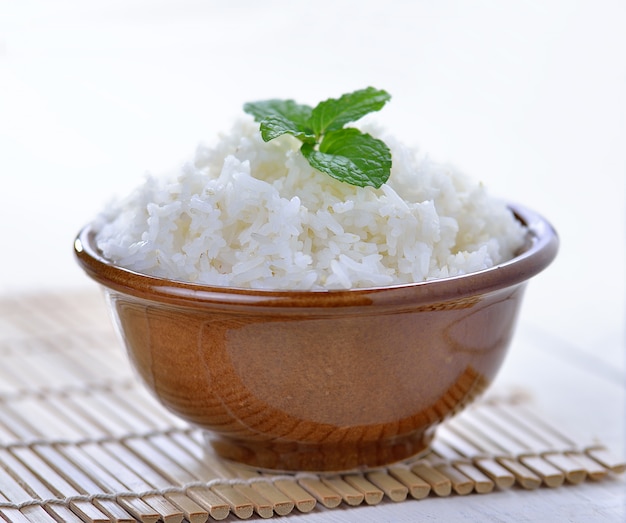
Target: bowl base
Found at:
321, 458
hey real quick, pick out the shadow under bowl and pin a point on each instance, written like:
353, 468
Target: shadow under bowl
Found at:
320, 380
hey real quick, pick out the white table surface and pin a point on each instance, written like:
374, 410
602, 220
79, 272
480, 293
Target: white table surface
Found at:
529, 97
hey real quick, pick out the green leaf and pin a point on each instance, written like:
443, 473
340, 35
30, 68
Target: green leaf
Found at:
333, 114
351, 156
348, 155
278, 117
275, 126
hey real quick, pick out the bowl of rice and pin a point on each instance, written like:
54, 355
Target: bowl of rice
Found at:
305, 323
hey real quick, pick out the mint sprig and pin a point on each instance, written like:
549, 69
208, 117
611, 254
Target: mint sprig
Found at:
345, 153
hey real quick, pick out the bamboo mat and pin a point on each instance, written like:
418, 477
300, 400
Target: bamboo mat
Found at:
80, 440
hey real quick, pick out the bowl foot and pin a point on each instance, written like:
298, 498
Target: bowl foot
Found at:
340, 457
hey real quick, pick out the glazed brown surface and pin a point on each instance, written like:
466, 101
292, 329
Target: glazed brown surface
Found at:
330, 380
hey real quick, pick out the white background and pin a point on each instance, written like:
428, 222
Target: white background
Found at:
529, 97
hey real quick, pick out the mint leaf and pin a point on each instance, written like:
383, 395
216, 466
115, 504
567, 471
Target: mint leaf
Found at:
278, 117
346, 154
351, 156
277, 125
333, 114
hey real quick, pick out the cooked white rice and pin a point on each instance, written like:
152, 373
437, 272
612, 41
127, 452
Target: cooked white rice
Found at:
251, 214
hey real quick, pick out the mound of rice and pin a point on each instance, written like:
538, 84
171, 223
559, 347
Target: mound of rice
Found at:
245, 213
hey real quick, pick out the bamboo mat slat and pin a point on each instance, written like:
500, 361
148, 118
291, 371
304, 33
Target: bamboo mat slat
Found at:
82, 441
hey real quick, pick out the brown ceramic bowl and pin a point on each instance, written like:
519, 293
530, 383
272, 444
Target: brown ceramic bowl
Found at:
320, 380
